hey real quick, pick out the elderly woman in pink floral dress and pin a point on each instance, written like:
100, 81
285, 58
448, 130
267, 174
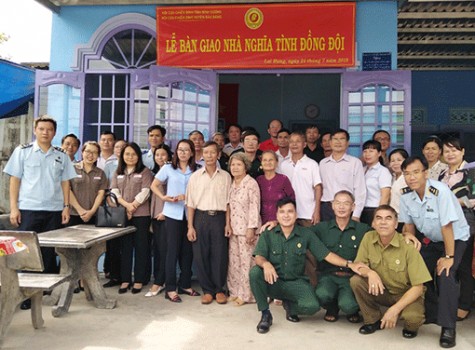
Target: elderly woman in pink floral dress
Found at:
244, 205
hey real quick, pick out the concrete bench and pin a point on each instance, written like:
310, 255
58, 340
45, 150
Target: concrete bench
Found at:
17, 286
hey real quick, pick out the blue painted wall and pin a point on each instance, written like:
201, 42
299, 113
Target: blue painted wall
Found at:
75, 25
441, 90
437, 92
376, 28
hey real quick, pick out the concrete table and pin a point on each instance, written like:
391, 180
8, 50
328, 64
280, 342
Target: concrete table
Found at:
79, 248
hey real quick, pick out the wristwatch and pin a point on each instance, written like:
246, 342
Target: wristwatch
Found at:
66, 206
348, 262
447, 256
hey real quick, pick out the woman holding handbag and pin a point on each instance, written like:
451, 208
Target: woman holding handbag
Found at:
131, 185
88, 187
176, 176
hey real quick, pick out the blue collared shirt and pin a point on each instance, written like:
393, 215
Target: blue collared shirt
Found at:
147, 159
110, 169
176, 182
41, 175
438, 208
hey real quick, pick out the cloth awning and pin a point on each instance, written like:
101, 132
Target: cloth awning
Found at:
17, 87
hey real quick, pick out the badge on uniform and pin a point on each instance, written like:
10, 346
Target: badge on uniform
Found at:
434, 190
430, 210
299, 245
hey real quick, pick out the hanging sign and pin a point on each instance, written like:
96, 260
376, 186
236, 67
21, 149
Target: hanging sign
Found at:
304, 35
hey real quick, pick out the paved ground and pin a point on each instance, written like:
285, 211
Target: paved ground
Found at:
156, 323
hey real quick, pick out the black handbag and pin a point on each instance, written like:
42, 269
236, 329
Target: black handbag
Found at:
111, 216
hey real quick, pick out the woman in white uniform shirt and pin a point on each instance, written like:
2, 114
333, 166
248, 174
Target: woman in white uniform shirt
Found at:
396, 157
378, 180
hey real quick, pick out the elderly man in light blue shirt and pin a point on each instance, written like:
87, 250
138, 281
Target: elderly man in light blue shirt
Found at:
432, 208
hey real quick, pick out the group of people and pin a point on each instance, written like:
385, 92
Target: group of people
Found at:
294, 218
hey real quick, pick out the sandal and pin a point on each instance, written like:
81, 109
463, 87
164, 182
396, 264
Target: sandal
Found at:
191, 293
174, 299
354, 318
239, 302
330, 316
460, 318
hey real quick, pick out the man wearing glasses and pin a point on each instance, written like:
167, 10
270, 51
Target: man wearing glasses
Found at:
384, 138
432, 208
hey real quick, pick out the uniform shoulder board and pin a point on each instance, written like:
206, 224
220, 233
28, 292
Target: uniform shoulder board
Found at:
433, 190
59, 149
406, 190
26, 145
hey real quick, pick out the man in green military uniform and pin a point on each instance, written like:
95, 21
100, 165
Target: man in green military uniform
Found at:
394, 277
280, 259
341, 236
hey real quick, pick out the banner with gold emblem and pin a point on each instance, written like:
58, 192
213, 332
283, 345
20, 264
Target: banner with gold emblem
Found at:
303, 35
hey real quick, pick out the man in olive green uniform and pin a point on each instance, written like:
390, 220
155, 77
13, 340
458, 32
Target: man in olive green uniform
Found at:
280, 259
342, 236
394, 277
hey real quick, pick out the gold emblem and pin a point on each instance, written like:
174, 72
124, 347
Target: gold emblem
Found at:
299, 245
353, 238
397, 262
253, 18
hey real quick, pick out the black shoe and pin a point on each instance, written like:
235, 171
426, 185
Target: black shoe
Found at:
264, 324
77, 290
111, 283
409, 334
26, 305
288, 316
370, 328
447, 337
136, 290
124, 290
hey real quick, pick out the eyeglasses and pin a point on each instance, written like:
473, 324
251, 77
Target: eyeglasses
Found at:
94, 153
413, 173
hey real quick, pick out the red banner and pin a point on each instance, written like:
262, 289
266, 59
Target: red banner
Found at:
303, 35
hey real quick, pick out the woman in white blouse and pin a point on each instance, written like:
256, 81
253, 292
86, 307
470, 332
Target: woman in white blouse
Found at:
396, 157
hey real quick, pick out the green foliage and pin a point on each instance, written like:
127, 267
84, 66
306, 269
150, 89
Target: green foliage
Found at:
3, 38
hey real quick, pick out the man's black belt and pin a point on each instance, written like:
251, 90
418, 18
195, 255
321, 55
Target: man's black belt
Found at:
211, 212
